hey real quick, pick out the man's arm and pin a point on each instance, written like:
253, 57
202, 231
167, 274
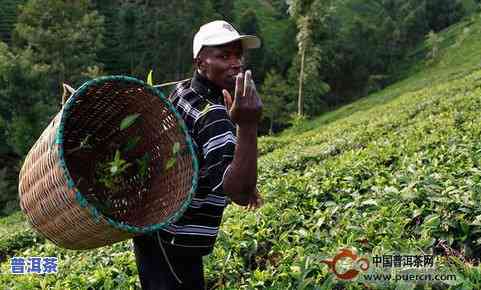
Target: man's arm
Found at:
245, 110
241, 178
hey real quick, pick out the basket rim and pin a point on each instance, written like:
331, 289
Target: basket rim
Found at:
80, 198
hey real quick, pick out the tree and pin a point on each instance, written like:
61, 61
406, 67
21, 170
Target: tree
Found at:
130, 37
156, 35
24, 113
433, 41
65, 35
8, 202
281, 8
8, 16
25, 107
303, 40
275, 97
347, 42
225, 8
111, 53
311, 17
255, 58
442, 13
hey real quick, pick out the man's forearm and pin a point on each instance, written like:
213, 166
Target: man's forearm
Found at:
241, 179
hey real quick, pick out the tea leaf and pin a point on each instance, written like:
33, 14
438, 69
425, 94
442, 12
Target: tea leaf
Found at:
117, 156
144, 165
128, 121
114, 169
131, 143
171, 162
176, 148
149, 78
85, 141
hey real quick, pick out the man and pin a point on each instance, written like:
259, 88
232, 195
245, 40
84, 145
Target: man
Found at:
221, 109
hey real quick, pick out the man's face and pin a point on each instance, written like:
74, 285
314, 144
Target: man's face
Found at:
220, 64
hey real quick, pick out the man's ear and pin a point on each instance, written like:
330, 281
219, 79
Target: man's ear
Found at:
198, 63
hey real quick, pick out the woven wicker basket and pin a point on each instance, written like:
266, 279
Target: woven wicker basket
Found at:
57, 180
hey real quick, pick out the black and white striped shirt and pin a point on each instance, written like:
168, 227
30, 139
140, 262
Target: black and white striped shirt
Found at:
200, 103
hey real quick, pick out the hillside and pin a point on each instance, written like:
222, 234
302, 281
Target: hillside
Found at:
396, 172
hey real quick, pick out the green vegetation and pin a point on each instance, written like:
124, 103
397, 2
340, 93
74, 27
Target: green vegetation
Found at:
346, 49
113, 172
398, 171
15, 235
8, 15
44, 43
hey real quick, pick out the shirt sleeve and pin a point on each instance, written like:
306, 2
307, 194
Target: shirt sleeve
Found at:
214, 134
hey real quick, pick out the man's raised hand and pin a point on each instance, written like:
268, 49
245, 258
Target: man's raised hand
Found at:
246, 106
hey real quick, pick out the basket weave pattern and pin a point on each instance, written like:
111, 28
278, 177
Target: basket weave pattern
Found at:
58, 179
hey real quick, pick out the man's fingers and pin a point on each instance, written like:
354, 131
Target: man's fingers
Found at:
247, 82
250, 89
239, 86
252, 202
261, 201
255, 202
259, 102
227, 99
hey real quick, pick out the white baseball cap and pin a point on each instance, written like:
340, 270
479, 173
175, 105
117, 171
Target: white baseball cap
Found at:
221, 32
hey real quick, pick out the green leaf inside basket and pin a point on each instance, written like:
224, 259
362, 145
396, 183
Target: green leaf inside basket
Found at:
176, 148
170, 163
149, 78
128, 121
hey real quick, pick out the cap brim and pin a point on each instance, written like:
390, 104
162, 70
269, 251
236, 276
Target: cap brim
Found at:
248, 41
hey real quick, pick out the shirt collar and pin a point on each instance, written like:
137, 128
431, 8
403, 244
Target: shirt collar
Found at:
206, 88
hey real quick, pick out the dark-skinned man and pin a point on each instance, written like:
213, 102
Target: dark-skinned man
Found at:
221, 109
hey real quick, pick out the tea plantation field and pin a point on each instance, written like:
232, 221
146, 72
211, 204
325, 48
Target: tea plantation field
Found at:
396, 172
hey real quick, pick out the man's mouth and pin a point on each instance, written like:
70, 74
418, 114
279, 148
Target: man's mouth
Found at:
232, 78
234, 75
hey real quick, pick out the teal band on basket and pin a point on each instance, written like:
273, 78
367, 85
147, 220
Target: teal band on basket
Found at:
80, 198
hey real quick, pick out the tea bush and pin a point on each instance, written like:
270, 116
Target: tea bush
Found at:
397, 172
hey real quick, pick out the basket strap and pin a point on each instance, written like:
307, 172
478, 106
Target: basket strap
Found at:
68, 91
170, 83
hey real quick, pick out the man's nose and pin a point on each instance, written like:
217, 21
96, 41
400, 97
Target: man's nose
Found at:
237, 62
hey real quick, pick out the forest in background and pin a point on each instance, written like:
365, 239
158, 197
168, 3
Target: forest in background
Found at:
316, 54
